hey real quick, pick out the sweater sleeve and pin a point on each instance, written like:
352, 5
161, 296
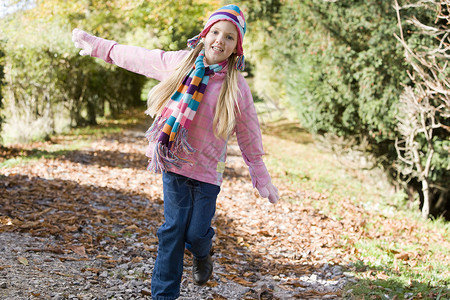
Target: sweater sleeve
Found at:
156, 64
249, 137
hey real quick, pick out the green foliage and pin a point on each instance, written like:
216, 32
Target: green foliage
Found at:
173, 22
2, 80
51, 88
259, 46
356, 68
339, 65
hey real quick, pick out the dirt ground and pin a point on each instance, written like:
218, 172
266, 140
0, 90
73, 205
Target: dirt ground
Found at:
82, 225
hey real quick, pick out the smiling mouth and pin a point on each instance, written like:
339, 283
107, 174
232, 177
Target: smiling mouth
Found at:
217, 49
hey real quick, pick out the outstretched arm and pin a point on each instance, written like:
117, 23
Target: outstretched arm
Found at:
155, 64
83, 40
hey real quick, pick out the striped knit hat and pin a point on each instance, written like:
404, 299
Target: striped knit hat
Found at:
230, 13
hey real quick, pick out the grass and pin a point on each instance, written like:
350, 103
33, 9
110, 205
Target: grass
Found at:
75, 139
24, 156
398, 255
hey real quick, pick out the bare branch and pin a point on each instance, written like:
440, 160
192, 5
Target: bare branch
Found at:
427, 100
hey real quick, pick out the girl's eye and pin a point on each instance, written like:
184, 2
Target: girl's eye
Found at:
230, 37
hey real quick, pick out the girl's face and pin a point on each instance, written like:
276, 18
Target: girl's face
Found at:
220, 42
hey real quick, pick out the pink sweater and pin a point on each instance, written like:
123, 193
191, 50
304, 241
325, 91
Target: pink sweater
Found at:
210, 156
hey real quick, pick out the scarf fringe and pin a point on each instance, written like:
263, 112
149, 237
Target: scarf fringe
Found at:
152, 133
163, 157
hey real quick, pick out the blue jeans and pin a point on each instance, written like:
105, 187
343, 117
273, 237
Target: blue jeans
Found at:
189, 206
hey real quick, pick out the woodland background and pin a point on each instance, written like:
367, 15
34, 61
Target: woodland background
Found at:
355, 93
367, 76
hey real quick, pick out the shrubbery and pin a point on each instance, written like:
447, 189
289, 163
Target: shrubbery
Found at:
49, 87
340, 66
2, 80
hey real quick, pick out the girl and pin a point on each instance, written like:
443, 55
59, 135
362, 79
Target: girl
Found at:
201, 100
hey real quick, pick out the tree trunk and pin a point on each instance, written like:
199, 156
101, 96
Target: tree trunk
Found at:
426, 199
91, 113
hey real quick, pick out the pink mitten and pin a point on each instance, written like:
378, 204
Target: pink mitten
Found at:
83, 40
269, 191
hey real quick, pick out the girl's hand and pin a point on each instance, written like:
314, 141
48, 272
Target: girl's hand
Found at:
269, 191
83, 40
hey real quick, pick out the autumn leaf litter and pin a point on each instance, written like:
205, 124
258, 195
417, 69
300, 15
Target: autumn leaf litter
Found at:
83, 226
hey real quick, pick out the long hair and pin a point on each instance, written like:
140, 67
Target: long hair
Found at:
227, 103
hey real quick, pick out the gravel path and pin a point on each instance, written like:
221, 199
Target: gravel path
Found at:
262, 250
52, 274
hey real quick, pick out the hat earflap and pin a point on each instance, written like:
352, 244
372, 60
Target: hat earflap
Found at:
240, 63
192, 43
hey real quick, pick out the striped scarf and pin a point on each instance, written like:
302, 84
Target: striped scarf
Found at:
169, 130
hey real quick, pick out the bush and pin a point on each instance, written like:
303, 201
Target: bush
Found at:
2, 81
341, 68
49, 87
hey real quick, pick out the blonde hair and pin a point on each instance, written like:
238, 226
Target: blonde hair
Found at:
227, 103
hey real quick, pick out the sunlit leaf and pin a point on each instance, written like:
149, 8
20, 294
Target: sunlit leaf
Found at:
23, 260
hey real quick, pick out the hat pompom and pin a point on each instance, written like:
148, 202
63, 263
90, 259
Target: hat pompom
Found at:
192, 43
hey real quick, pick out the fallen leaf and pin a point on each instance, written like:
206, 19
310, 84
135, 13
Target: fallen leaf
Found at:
393, 251
72, 258
137, 259
79, 250
248, 274
242, 281
52, 250
63, 274
93, 270
402, 256
299, 284
264, 233
30, 224
5, 221
72, 228
111, 261
131, 227
42, 212
151, 241
212, 283
103, 257
23, 260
